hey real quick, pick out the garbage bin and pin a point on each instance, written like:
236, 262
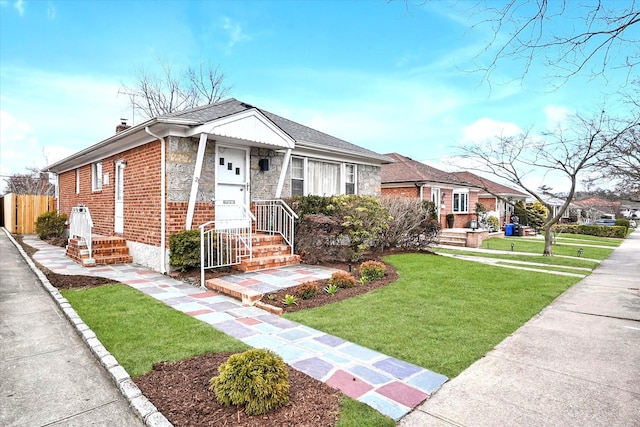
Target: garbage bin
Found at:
516, 229
508, 229
522, 232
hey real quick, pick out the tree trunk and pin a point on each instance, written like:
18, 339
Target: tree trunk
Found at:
548, 239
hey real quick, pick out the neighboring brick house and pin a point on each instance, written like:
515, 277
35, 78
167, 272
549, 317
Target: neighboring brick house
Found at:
160, 177
497, 199
409, 178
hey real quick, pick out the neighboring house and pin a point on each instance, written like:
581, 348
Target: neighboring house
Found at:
593, 209
162, 176
496, 198
409, 178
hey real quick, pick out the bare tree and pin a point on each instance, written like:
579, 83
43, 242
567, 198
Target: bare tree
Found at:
589, 37
622, 163
32, 182
567, 153
159, 94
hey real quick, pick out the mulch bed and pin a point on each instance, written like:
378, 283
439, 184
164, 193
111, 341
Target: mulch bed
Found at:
180, 389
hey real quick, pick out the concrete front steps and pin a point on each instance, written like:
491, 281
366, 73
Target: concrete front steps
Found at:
453, 237
105, 250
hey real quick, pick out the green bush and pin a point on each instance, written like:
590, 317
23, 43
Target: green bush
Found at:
342, 279
307, 290
591, 230
371, 271
50, 224
623, 222
257, 379
184, 250
347, 226
493, 222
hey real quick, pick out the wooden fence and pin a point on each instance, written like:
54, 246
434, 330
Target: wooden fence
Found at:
20, 211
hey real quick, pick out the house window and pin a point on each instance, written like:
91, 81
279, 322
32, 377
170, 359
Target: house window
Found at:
96, 176
321, 178
78, 181
297, 176
350, 179
461, 200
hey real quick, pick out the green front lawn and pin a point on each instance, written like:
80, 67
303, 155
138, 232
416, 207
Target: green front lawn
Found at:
442, 314
547, 260
537, 247
140, 331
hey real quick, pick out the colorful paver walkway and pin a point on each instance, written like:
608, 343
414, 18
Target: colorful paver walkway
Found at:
391, 386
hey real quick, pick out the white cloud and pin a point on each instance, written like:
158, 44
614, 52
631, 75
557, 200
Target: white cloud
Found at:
19, 6
486, 128
557, 116
51, 11
234, 32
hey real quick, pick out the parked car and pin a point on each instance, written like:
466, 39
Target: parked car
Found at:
633, 224
607, 222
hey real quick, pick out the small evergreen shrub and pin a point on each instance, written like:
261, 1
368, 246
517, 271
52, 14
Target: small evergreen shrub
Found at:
591, 230
256, 378
307, 290
342, 279
623, 222
493, 222
184, 250
371, 271
50, 224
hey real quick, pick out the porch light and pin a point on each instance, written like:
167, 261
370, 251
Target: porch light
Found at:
442, 197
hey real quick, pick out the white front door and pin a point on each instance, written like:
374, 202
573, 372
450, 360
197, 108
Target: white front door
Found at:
435, 198
118, 226
232, 187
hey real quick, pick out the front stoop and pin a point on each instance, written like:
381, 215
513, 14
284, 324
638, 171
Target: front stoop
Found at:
106, 250
269, 251
453, 238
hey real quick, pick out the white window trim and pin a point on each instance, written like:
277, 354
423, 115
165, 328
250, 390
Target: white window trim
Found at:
96, 176
77, 180
343, 173
343, 178
460, 191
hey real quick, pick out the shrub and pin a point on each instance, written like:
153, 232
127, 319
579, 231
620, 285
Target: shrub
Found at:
591, 230
342, 279
184, 250
338, 228
493, 223
289, 300
413, 224
307, 290
331, 289
371, 270
623, 222
256, 378
50, 224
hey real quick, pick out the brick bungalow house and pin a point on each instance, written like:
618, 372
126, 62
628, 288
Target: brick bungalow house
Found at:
228, 161
409, 178
497, 199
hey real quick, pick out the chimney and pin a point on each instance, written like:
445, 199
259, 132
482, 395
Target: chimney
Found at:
122, 126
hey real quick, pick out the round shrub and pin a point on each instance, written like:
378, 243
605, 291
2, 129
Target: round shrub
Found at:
50, 224
372, 270
256, 378
307, 290
342, 279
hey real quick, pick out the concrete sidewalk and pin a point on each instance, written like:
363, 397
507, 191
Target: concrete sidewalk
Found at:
48, 376
575, 364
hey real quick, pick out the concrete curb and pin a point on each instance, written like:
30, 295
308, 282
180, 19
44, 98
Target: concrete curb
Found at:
147, 412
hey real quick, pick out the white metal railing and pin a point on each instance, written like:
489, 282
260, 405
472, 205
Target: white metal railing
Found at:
275, 216
227, 240
80, 225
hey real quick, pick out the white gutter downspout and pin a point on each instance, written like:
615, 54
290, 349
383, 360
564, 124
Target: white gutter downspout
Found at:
283, 172
196, 180
163, 204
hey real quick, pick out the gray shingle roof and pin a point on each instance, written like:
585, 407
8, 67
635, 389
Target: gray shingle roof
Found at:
490, 186
300, 133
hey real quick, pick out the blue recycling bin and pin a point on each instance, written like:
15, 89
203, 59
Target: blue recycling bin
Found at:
508, 229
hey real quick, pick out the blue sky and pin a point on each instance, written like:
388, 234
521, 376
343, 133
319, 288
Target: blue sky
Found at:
386, 76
